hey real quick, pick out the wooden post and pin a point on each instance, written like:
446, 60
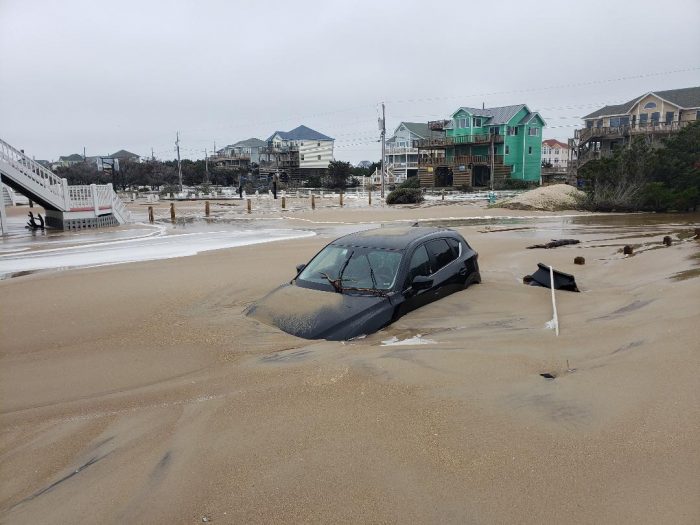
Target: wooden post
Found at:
442, 197
172, 211
248, 205
151, 218
341, 198
284, 202
206, 208
313, 201
370, 197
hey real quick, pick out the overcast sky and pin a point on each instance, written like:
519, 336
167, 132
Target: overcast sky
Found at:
127, 74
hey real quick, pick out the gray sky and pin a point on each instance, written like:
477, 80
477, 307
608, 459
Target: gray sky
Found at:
127, 74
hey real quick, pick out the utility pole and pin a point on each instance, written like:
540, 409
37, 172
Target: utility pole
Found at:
206, 167
492, 163
179, 165
382, 129
153, 157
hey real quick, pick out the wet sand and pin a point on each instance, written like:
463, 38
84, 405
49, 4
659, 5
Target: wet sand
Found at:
140, 393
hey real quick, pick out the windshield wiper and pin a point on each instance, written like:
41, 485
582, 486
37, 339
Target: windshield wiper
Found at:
338, 283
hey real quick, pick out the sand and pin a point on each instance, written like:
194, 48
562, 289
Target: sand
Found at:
141, 393
545, 198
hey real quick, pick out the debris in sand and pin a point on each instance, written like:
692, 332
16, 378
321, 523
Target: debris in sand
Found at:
668, 241
546, 198
554, 244
627, 250
579, 260
562, 281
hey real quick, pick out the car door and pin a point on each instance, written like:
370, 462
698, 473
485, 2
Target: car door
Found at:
419, 264
448, 277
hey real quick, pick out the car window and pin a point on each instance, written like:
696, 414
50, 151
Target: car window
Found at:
455, 245
420, 264
441, 251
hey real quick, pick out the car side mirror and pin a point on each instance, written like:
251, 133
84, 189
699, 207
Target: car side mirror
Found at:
421, 282
300, 267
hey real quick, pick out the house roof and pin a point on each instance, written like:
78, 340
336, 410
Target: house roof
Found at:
73, 157
300, 133
529, 116
421, 129
123, 154
249, 143
684, 97
499, 115
553, 143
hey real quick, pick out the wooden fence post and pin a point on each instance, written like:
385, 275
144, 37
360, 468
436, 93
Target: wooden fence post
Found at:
313, 201
206, 208
370, 197
172, 211
248, 205
341, 198
151, 218
284, 202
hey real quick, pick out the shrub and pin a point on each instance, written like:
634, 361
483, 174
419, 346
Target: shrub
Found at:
405, 196
516, 184
410, 182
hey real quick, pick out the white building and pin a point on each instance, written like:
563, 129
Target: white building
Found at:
315, 149
555, 153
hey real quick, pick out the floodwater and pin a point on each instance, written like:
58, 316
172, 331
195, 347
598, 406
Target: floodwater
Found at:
28, 252
24, 251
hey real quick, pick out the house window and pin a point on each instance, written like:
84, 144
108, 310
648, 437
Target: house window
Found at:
462, 123
507, 149
697, 115
556, 151
495, 130
302, 157
512, 130
614, 122
476, 122
318, 144
655, 117
589, 124
319, 157
529, 150
624, 121
643, 119
669, 117
533, 132
599, 123
650, 105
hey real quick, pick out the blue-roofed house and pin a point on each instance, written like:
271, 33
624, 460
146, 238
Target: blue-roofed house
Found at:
297, 154
483, 146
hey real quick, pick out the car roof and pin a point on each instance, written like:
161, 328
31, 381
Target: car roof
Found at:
393, 238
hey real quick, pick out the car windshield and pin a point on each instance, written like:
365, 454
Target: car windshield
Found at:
352, 268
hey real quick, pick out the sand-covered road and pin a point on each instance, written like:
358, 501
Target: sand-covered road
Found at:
139, 393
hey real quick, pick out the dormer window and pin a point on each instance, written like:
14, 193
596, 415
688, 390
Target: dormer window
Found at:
650, 105
476, 122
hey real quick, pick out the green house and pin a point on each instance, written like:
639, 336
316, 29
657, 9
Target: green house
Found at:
483, 147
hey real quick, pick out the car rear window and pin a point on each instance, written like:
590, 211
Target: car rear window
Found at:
442, 253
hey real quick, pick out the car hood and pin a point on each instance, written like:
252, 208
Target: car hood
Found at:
317, 314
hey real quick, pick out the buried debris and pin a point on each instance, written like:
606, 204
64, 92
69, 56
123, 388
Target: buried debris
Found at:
579, 260
547, 375
627, 250
554, 244
668, 241
561, 280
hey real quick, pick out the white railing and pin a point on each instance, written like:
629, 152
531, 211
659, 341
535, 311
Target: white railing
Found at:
38, 174
54, 190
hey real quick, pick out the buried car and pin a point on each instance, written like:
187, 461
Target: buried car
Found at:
364, 281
